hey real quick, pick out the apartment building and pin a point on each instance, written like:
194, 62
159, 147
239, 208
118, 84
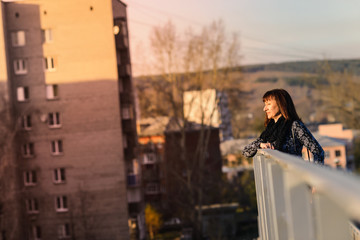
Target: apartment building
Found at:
66, 72
151, 137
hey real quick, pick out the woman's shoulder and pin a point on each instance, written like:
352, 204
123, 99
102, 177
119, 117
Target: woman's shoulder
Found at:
297, 124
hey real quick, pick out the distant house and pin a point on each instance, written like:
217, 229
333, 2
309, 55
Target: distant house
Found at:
346, 137
335, 151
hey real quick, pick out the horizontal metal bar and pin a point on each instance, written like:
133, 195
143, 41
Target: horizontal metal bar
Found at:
341, 187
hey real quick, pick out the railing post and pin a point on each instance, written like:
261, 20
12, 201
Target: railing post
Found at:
261, 193
277, 195
270, 197
298, 207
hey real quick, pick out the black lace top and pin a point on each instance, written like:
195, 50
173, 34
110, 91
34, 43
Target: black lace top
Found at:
303, 137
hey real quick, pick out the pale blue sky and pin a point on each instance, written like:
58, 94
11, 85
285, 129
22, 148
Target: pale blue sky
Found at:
269, 30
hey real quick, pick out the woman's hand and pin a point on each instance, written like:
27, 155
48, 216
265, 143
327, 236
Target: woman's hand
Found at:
266, 146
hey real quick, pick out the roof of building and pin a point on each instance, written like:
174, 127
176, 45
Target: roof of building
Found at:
325, 141
153, 126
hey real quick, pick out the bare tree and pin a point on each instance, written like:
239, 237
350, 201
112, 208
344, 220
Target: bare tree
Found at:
339, 92
196, 62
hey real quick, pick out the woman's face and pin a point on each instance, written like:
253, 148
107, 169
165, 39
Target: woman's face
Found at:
271, 108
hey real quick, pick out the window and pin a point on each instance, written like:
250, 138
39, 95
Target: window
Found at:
128, 69
18, 39
47, 35
52, 92
54, 120
56, 147
59, 175
20, 66
49, 64
126, 112
64, 231
123, 28
61, 204
149, 158
118, 57
337, 153
121, 85
23, 94
124, 141
152, 188
32, 206
30, 178
37, 232
28, 150
327, 154
26, 122
126, 42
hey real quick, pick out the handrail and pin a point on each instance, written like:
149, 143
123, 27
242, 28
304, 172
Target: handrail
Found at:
302, 200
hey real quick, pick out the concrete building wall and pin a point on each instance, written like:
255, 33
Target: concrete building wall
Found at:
85, 72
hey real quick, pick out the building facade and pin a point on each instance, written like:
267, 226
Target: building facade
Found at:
69, 85
151, 137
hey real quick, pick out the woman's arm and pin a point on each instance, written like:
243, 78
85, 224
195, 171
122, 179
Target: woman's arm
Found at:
251, 149
307, 139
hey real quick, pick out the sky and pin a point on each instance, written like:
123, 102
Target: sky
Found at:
270, 31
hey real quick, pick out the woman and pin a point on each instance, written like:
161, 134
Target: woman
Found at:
284, 130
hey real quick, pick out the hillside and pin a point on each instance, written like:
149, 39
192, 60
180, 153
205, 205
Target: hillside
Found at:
351, 65
296, 77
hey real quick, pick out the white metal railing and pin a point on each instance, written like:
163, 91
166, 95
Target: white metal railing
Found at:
299, 200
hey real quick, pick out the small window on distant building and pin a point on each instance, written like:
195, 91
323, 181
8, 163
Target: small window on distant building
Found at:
126, 112
327, 154
20, 66
32, 206
26, 122
64, 231
52, 92
123, 28
23, 94
59, 175
18, 38
128, 69
149, 158
152, 188
47, 35
37, 232
30, 178
126, 42
61, 204
56, 147
54, 120
337, 153
49, 64
124, 141
28, 150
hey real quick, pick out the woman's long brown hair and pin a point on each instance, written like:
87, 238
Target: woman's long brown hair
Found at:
284, 102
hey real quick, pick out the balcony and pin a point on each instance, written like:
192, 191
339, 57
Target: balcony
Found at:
301, 200
133, 180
